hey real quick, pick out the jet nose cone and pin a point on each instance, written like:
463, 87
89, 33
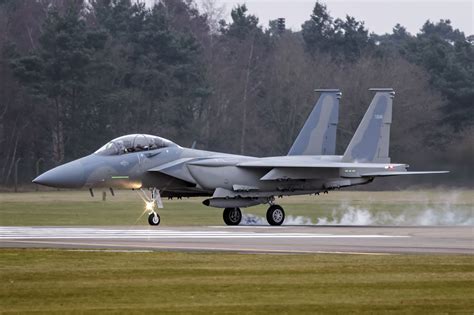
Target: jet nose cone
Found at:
69, 175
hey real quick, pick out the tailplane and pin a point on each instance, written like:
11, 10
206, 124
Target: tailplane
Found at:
371, 140
318, 136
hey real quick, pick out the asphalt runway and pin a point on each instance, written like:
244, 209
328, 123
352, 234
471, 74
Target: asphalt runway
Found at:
264, 239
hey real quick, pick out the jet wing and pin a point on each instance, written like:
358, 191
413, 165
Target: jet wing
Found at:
282, 162
389, 173
307, 167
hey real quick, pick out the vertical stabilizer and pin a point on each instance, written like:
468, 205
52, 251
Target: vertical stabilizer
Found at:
318, 136
371, 140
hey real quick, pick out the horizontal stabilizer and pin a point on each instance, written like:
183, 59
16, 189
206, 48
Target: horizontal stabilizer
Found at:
388, 173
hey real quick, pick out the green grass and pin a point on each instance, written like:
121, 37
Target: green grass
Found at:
58, 281
100, 213
78, 208
61, 281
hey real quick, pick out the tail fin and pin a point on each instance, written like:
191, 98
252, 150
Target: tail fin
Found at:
371, 140
318, 136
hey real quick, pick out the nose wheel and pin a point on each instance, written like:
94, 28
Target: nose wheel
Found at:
275, 215
152, 202
154, 218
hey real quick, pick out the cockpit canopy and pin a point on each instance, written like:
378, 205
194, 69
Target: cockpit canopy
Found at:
133, 143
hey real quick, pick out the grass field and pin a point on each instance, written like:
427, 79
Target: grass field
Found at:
53, 281
65, 281
78, 208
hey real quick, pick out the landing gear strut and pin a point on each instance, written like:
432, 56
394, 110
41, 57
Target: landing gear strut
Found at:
232, 216
275, 215
151, 203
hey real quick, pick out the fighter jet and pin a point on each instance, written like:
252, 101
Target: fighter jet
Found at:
157, 167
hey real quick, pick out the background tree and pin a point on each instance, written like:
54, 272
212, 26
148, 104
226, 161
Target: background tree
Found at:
75, 74
56, 74
318, 31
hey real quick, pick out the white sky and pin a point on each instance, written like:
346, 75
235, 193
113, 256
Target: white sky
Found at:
379, 16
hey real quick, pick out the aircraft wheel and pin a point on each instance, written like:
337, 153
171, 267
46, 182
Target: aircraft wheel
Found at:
154, 218
232, 216
275, 215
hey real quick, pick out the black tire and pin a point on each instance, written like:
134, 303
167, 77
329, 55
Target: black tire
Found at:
154, 218
232, 216
275, 215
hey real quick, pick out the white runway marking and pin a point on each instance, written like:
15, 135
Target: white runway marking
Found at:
199, 248
7, 233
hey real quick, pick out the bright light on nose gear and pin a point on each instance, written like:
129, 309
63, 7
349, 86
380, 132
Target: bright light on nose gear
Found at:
149, 205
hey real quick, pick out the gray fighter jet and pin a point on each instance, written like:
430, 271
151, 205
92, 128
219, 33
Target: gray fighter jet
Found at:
157, 167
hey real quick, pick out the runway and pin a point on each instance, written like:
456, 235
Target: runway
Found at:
262, 239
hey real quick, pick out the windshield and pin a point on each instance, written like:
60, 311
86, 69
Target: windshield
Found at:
133, 143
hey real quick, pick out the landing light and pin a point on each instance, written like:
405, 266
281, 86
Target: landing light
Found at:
149, 206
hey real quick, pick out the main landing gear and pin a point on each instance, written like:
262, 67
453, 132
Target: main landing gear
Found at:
275, 215
151, 203
232, 216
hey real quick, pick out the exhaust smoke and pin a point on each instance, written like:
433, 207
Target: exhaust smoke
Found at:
449, 212
252, 219
350, 215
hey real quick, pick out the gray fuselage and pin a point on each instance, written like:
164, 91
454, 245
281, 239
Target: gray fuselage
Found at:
178, 171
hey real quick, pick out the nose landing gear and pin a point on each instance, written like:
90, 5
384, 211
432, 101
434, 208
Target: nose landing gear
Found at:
154, 218
151, 203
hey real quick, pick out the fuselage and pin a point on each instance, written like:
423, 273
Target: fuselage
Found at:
178, 171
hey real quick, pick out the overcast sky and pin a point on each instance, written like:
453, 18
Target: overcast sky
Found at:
379, 16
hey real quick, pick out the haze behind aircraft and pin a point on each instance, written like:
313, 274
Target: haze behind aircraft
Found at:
232, 181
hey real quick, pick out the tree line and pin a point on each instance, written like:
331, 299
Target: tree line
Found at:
75, 74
